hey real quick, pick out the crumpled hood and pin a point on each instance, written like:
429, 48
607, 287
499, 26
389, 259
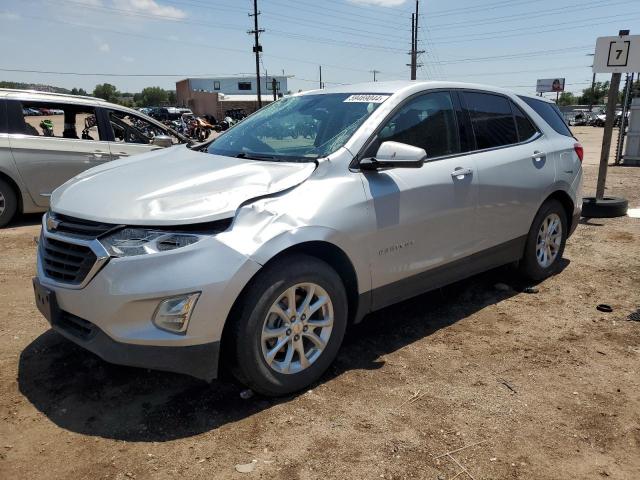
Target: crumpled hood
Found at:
173, 186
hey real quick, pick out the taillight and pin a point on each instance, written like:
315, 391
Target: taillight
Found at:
579, 151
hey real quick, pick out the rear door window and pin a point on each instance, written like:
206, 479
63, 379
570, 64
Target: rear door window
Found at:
550, 113
492, 120
526, 129
57, 120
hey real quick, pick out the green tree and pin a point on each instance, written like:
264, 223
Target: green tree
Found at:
78, 91
595, 96
153, 96
107, 92
567, 98
171, 97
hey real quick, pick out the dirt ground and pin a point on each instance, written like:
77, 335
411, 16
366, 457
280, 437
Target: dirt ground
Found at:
516, 385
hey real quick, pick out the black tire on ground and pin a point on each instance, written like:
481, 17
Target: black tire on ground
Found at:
529, 266
248, 363
8, 203
608, 207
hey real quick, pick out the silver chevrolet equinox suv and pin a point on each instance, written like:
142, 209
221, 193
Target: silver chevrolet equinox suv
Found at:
256, 250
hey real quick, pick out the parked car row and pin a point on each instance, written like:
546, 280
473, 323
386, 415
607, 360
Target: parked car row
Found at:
41, 111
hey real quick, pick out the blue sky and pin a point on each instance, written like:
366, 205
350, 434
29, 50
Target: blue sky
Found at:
505, 43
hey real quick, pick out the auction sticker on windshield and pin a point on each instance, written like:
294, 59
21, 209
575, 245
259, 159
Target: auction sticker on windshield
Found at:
364, 98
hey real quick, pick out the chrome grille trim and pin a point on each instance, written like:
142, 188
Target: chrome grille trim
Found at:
101, 257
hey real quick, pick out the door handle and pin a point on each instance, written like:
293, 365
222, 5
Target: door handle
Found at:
459, 173
539, 156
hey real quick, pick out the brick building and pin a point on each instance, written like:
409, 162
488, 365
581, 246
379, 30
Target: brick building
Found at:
214, 96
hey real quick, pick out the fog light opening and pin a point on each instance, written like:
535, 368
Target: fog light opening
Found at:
173, 313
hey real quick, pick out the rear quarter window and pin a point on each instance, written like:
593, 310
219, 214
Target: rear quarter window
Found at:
550, 114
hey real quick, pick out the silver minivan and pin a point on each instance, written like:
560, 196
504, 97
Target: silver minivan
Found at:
48, 138
256, 250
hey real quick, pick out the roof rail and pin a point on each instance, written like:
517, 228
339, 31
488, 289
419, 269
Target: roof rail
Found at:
19, 90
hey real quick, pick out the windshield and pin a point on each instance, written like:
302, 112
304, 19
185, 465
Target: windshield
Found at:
300, 128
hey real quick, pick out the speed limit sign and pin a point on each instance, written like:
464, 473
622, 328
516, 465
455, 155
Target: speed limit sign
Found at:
619, 54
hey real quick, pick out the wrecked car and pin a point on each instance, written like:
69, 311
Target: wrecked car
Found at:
254, 252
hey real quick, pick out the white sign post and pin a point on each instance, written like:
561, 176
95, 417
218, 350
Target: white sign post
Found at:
615, 55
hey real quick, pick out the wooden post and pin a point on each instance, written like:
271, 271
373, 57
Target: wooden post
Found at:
608, 132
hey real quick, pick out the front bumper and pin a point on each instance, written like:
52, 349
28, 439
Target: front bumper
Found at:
117, 306
200, 361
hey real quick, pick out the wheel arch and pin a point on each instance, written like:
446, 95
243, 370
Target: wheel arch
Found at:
323, 250
567, 203
16, 189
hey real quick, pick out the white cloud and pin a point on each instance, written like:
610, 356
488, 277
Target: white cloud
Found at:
128, 59
92, 3
379, 3
150, 7
104, 47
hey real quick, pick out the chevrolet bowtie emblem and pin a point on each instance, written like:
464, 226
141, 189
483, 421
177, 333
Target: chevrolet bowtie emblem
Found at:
52, 224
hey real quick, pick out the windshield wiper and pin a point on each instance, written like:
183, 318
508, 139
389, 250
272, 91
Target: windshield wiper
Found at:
255, 156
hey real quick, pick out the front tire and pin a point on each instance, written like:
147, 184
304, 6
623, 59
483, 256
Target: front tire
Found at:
545, 242
8, 203
289, 325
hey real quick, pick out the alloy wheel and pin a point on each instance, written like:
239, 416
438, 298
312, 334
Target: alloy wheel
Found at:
297, 328
549, 240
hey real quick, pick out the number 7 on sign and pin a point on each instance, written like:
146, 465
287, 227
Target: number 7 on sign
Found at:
618, 53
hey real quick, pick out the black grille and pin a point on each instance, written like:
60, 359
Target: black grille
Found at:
76, 326
76, 227
66, 262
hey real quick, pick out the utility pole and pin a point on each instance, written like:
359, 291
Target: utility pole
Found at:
274, 87
593, 92
374, 73
257, 48
413, 47
414, 42
320, 71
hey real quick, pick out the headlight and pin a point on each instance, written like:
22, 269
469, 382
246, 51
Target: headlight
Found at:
132, 241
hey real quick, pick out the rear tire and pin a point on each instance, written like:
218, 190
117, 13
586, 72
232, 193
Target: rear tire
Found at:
309, 339
608, 207
8, 203
545, 242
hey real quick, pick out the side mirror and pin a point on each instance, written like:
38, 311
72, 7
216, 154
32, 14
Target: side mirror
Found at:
163, 141
395, 155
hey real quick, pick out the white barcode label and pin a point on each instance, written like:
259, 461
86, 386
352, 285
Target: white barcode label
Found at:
364, 98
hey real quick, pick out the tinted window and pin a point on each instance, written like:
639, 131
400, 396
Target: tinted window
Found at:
45, 119
526, 130
3, 117
550, 113
244, 85
427, 122
492, 120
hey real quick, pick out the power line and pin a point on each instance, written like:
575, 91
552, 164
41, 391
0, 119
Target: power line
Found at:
528, 15
209, 25
518, 55
103, 74
529, 31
